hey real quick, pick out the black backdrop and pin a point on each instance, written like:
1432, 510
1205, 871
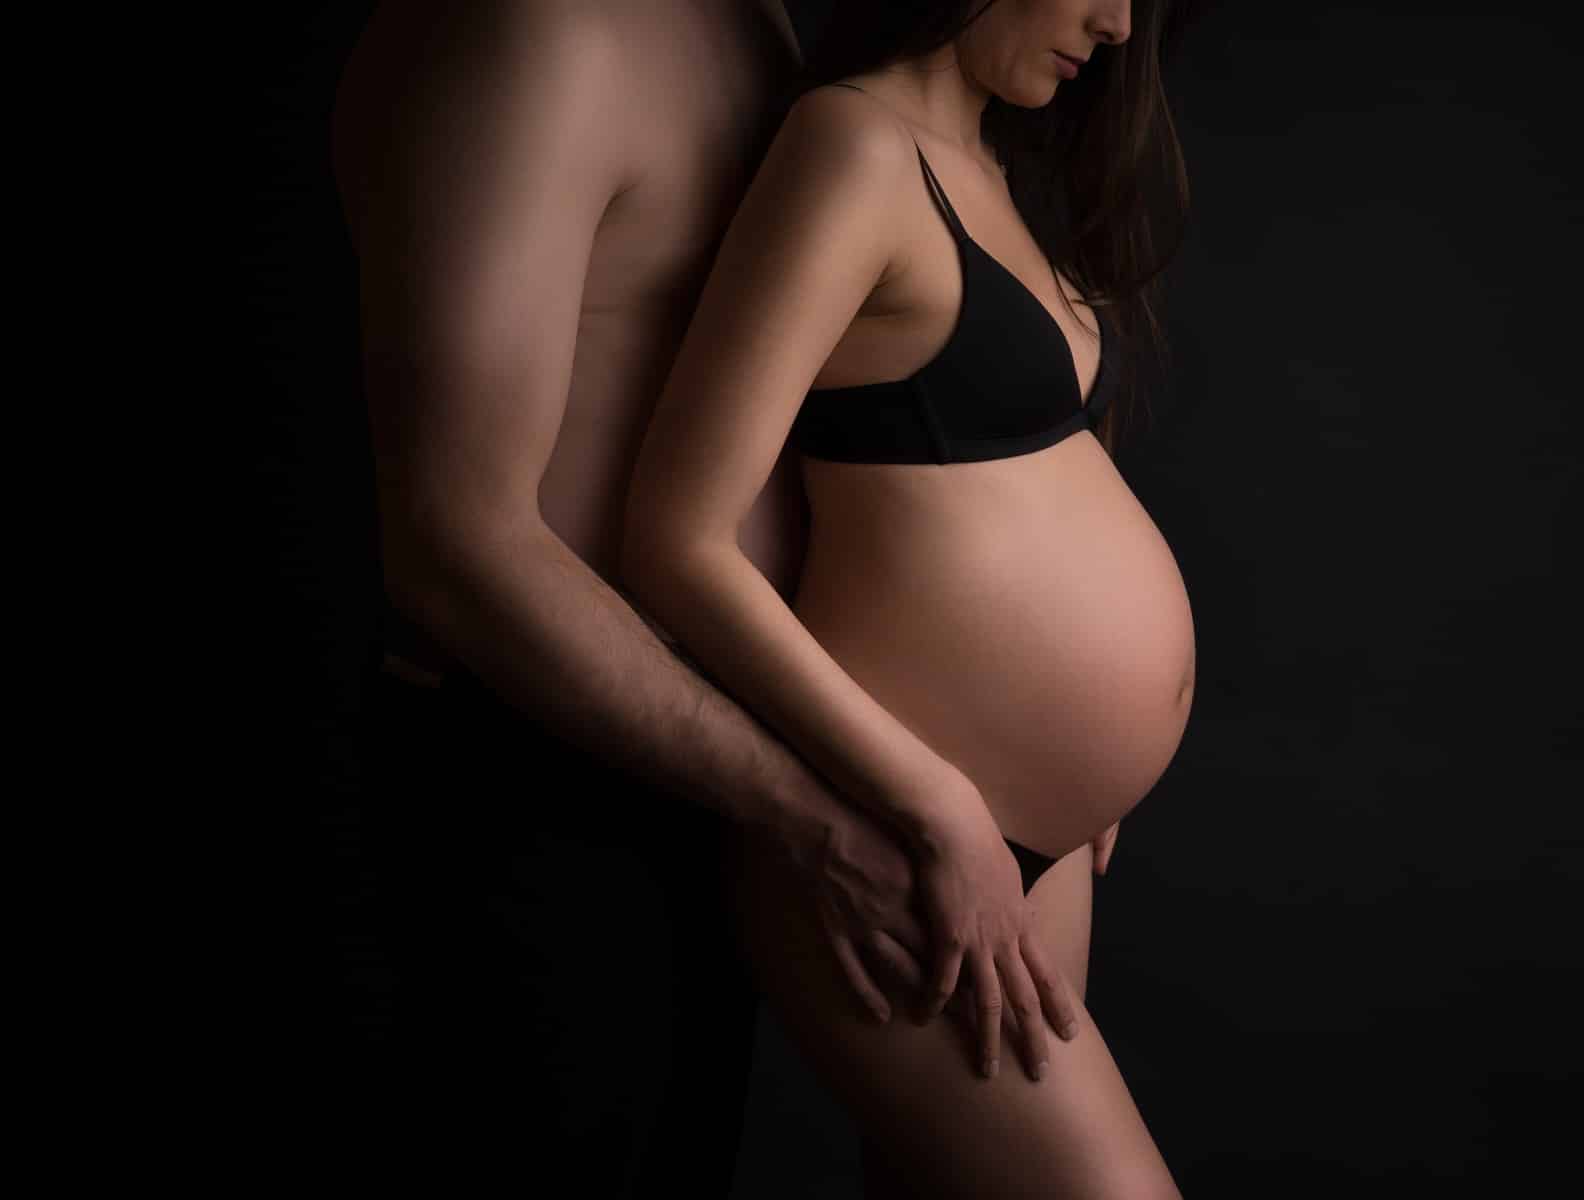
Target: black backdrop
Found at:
1334, 946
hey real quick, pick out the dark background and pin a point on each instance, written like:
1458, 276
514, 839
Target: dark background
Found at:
1336, 946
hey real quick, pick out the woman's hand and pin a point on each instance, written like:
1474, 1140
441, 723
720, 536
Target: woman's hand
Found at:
972, 894
1103, 845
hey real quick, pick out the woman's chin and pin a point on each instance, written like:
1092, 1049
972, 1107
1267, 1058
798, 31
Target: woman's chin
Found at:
1032, 93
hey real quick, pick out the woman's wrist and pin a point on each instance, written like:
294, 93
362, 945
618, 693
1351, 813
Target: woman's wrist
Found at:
804, 813
934, 800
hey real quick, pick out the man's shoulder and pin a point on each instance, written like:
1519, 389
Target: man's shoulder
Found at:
591, 33
499, 58
552, 79
579, 44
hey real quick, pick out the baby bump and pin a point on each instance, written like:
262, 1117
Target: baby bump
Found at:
1033, 629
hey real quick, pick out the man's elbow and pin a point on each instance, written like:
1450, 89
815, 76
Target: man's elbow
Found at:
432, 547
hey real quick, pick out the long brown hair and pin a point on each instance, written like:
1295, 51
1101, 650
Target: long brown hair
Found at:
1097, 175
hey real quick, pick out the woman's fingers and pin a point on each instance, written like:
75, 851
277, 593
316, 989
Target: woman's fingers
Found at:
898, 964
1024, 1015
1056, 996
1103, 845
987, 996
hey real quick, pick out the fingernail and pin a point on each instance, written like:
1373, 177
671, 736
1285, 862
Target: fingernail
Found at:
1069, 1030
1039, 1070
991, 1067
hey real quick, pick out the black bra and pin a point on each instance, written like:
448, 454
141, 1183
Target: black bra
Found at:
1004, 384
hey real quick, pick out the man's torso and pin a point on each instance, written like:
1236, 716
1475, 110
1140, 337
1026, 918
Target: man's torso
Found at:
706, 83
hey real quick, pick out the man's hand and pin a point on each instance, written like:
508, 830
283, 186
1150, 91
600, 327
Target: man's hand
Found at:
1103, 845
863, 884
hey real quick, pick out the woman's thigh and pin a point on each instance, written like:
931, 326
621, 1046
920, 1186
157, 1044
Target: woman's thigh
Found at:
1063, 899
940, 1128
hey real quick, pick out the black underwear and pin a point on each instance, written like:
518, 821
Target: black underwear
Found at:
1032, 862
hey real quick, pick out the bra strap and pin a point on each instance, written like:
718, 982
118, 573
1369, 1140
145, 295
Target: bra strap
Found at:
939, 193
936, 190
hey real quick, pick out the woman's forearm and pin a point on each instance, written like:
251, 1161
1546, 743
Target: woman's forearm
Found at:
733, 622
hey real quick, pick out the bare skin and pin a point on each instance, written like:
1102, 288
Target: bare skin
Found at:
976, 649
535, 189
928, 1129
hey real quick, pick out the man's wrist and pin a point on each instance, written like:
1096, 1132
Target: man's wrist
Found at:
799, 814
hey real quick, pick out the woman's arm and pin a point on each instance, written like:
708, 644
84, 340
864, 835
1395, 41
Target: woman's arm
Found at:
813, 237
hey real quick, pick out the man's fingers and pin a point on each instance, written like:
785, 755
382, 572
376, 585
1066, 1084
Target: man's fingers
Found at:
945, 982
1056, 995
858, 977
900, 965
895, 959
987, 996
908, 932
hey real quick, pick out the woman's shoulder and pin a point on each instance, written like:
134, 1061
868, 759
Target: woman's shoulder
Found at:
829, 188
846, 137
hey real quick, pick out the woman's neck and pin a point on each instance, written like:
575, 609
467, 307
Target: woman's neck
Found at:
933, 92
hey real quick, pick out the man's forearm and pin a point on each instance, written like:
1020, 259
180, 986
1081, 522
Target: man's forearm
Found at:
540, 628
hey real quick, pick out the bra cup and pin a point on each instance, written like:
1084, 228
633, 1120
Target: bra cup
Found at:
1005, 382
1001, 375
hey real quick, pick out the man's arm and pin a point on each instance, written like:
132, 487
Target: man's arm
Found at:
474, 257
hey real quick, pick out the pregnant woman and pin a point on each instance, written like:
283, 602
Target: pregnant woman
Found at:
990, 646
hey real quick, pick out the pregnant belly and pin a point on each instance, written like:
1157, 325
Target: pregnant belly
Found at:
1023, 617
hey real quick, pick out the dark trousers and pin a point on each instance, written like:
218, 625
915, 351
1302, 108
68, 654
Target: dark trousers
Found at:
540, 980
